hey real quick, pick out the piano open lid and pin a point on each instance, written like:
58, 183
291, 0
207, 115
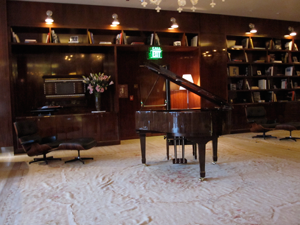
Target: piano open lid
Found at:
187, 85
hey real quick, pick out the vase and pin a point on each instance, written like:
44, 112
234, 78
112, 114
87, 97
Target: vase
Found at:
98, 102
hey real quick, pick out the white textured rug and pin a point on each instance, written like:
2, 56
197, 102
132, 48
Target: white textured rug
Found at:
255, 182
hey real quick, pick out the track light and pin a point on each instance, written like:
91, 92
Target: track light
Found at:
292, 32
115, 21
253, 29
174, 24
49, 19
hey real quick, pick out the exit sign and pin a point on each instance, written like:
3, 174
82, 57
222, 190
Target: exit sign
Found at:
155, 53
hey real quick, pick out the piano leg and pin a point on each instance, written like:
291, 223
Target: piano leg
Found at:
215, 149
201, 156
143, 147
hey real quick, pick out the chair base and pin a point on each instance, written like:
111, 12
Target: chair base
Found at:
288, 138
264, 136
44, 159
78, 158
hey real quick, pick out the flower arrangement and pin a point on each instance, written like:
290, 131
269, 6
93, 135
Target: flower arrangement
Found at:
97, 83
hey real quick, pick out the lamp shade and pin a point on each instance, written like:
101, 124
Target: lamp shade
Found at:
187, 77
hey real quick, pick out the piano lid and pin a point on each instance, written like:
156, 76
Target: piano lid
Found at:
186, 84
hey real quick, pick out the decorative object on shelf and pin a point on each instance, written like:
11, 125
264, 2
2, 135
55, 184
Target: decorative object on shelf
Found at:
49, 19
181, 4
97, 84
115, 22
174, 23
252, 29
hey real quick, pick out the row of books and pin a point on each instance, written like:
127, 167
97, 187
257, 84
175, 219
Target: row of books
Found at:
270, 44
121, 38
263, 84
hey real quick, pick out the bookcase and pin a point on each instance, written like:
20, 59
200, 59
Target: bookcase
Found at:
38, 61
262, 70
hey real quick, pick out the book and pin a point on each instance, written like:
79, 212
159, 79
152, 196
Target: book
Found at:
262, 84
194, 41
233, 71
230, 43
137, 43
246, 57
245, 42
289, 71
229, 56
156, 39
105, 43
15, 37
89, 37
283, 83
270, 71
30, 41
251, 42
247, 86
124, 38
48, 38
270, 44
151, 39
236, 47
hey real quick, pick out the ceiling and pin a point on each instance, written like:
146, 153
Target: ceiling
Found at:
268, 9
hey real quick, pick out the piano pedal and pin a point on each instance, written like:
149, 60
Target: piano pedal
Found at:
179, 161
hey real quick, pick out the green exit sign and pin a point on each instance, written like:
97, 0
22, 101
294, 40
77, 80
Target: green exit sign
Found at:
155, 53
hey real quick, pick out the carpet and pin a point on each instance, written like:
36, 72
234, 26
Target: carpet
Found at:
255, 181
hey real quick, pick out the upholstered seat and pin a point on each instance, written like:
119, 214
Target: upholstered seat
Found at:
257, 118
78, 144
32, 143
290, 126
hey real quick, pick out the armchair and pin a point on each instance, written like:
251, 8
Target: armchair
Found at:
257, 118
32, 143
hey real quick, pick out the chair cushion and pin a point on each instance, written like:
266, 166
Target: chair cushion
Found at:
78, 144
25, 128
37, 149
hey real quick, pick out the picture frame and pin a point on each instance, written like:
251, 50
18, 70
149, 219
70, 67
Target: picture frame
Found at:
258, 72
74, 39
295, 59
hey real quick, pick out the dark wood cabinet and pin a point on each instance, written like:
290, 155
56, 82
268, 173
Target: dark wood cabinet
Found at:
101, 126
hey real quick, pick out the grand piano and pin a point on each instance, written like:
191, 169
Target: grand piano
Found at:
196, 125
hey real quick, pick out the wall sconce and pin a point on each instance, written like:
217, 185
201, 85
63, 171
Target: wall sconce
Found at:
292, 32
115, 21
189, 78
252, 29
49, 19
174, 24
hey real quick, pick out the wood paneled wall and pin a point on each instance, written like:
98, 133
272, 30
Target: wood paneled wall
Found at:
212, 28
6, 137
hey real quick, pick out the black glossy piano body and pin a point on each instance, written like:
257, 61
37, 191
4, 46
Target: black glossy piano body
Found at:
196, 125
